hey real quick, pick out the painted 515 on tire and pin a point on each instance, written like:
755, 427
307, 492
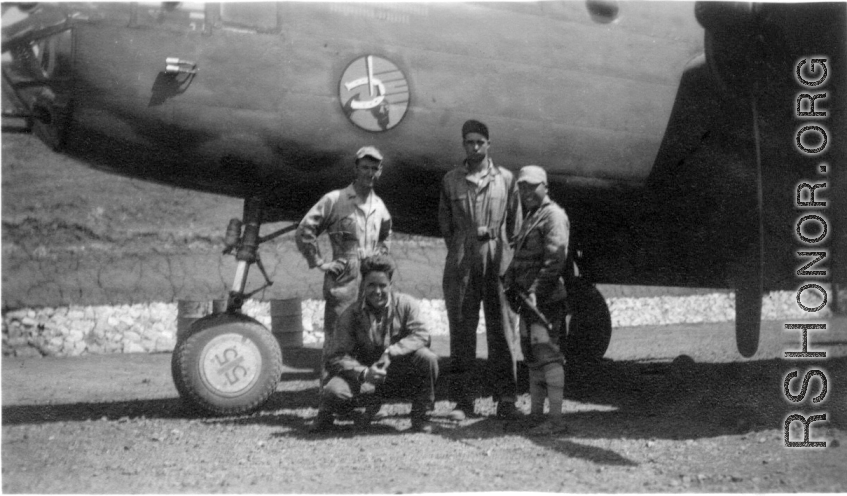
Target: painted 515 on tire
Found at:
229, 364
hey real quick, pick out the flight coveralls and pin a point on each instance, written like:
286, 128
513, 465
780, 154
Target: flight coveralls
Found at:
478, 220
356, 230
541, 248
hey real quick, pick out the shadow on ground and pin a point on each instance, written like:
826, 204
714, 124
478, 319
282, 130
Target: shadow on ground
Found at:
682, 400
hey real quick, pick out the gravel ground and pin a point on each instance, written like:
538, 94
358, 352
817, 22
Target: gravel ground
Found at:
114, 424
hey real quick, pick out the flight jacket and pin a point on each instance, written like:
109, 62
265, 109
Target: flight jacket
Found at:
541, 248
360, 339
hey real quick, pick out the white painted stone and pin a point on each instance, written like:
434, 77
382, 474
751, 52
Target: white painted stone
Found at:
133, 347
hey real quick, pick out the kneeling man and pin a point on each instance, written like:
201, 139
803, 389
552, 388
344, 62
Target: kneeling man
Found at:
380, 348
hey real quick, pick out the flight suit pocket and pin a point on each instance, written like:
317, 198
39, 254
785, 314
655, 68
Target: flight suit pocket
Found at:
347, 229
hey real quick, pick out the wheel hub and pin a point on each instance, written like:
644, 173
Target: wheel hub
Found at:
230, 364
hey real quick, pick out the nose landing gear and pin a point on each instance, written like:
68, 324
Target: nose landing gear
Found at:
228, 363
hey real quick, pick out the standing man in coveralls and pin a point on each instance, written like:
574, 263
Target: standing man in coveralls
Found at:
479, 214
358, 225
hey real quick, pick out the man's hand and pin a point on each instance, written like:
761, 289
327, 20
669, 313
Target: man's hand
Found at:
384, 361
375, 374
530, 298
334, 268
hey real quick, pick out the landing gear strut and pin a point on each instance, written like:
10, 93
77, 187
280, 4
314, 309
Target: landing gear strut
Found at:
229, 363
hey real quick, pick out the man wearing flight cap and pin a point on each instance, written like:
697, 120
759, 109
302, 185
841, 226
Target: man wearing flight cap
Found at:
358, 225
479, 214
535, 289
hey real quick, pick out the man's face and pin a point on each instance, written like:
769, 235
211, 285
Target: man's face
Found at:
476, 147
368, 170
377, 286
531, 194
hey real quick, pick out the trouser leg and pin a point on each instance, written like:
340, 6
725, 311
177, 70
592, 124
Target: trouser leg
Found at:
414, 376
337, 297
537, 391
425, 366
554, 377
500, 335
462, 302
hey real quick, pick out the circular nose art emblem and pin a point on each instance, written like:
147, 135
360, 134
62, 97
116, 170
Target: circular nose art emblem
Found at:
374, 93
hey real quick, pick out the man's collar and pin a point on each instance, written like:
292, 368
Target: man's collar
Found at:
489, 169
532, 211
350, 191
546, 201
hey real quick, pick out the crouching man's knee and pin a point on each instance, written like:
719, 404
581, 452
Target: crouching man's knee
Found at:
337, 391
426, 360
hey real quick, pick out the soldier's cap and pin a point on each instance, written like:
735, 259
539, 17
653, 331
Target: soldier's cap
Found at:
474, 126
532, 174
369, 151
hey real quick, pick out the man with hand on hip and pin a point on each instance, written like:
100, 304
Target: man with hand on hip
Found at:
358, 225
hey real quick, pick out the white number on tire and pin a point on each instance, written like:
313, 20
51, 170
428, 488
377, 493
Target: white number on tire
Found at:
230, 364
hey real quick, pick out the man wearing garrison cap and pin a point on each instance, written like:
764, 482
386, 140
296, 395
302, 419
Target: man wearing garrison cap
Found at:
535, 289
479, 214
358, 225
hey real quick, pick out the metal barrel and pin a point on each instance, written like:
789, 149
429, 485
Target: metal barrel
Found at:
287, 322
219, 306
189, 311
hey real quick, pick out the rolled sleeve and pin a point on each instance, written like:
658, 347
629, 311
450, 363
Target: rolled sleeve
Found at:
312, 225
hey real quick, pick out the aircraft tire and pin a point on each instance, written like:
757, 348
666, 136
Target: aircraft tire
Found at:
228, 364
590, 329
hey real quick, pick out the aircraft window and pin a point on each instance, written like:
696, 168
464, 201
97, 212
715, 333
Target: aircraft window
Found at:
602, 11
178, 16
261, 16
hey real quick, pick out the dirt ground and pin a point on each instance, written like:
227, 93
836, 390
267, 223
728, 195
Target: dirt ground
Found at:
115, 424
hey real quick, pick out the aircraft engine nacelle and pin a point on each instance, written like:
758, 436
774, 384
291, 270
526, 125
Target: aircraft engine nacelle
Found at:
742, 49
751, 56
